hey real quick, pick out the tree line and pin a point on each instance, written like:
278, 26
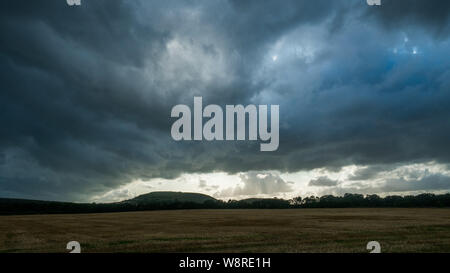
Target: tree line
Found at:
20, 206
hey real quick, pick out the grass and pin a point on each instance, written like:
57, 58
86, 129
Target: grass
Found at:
290, 230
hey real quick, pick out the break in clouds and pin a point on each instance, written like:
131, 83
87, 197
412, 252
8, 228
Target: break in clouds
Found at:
87, 92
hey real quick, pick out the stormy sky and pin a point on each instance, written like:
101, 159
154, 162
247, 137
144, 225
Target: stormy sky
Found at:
86, 94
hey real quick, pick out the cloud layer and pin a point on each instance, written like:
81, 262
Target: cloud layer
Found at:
87, 91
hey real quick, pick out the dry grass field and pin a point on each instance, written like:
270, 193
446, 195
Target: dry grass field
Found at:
290, 230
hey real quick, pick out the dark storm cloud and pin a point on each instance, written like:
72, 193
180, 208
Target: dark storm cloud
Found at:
429, 182
323, 181
74, 117
87, 91
371, 172
432, 14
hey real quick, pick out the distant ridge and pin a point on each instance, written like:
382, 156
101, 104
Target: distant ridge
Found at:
150, 201
165, 200
170, 197
253, 200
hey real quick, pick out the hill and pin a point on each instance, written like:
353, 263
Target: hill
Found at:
149, 201
170, 197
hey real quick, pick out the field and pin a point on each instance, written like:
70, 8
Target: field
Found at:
290, 230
